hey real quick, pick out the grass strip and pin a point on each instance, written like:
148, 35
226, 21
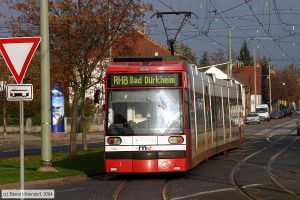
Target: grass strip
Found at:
86, 162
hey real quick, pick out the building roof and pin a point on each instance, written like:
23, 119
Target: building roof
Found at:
139, 44
220, 74
217, 72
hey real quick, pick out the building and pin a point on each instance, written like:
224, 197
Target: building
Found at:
249, 71
244, 78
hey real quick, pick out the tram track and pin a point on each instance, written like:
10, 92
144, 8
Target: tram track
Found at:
273, 177
234, 171
118, 190
268, 169
130, 182
164, 190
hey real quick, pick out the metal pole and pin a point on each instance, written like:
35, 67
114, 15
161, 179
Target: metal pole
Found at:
46, 157
229, 70
21, 145
254, 68
270, 87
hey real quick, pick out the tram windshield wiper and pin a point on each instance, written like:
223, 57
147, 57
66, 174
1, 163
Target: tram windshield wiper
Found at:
172, 124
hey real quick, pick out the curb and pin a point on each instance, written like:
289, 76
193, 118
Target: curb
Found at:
47, 182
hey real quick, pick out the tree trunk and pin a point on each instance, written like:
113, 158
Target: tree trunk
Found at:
84, 125
84, 141
4, 116
73, 132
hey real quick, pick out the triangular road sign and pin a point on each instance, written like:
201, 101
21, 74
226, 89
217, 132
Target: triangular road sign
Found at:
17, 53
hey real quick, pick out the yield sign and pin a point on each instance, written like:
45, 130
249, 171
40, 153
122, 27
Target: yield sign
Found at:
17, 53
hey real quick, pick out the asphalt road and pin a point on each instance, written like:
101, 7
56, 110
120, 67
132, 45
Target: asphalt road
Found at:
265, 166
13, 150
11, 146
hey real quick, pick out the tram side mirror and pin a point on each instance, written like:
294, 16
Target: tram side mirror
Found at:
97, 96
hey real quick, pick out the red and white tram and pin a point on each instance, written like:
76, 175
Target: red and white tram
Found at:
166, 116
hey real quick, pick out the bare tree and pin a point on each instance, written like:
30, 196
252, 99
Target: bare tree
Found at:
218, 57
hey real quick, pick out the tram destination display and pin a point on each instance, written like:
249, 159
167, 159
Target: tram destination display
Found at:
142, 80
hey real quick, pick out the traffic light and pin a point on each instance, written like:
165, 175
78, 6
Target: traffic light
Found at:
97, 96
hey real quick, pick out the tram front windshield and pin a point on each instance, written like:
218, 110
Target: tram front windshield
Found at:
145, 112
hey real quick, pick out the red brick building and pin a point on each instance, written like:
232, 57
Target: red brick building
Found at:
248, 80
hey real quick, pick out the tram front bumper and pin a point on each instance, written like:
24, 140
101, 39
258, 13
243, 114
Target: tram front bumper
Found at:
145, 166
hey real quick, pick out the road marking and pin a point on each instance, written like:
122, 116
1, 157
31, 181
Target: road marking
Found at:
69, 190
263, 132
268, 138
278, 126
252, 185
215, 191
206, 192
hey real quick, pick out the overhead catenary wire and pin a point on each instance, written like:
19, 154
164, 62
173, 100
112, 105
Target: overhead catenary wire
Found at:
268, 34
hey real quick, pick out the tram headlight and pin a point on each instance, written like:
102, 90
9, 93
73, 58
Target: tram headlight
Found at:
114, 140
176, 140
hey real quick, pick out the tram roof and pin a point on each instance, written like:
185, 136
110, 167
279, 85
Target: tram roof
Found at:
140, 64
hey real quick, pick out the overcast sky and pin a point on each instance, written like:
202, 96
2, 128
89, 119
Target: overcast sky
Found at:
274, 23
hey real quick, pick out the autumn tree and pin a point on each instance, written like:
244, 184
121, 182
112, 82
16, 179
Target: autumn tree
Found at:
81, 34
186, 52
286, 85
245, 56
3, 81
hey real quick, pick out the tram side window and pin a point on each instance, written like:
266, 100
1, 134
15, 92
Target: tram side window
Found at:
187, 110
200, 113
226, 111
219, 112
236, 112
207, 109
231, 110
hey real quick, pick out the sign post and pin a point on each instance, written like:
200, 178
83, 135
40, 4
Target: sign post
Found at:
17, 53
22, 145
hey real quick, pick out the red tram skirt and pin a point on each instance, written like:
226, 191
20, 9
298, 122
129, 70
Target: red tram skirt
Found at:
145, 166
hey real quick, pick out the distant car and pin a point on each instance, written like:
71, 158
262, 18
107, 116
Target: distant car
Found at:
252, 118
276, 115
297, 112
